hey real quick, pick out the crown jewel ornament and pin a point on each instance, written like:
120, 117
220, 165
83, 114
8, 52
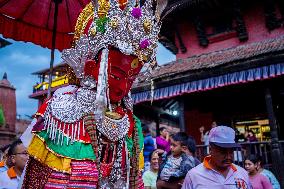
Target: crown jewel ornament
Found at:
133, 30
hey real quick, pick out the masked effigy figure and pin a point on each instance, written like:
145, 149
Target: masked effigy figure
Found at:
87, 136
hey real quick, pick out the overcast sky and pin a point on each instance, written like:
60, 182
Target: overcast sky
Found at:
20, 59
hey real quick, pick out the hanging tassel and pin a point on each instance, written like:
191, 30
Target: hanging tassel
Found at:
59, 132
72, 133
63, 132
54, 131
45, 122
48, 125
152, 91
101, 99
48, 121
83, 128
127, 165
78, 135
76, 129
68, 126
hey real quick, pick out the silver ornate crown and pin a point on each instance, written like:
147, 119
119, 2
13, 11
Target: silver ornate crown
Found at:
133, 30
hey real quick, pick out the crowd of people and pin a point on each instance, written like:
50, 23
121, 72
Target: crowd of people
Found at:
170, 162
167, 160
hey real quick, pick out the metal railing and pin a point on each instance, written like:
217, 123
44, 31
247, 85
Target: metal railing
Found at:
58, 81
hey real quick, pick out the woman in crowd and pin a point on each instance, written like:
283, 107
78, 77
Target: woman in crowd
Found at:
150, 176
163, 141
258, 181
251, 137
268, 174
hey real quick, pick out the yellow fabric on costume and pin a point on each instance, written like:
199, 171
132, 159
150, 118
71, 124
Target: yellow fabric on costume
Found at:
39, 151
141, 160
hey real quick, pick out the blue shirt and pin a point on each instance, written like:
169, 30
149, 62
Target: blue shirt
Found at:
149, 147
4, 168
272, 179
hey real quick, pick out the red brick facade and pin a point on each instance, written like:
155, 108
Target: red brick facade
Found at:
8, 102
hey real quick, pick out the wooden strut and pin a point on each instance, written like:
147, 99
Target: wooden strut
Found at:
241, 27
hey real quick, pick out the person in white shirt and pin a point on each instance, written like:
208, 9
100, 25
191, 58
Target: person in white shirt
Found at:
217, 170
205, 137
10, 179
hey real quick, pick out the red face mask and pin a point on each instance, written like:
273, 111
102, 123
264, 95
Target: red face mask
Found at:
122, 71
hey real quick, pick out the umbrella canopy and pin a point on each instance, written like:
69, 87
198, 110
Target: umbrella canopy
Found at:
33, 21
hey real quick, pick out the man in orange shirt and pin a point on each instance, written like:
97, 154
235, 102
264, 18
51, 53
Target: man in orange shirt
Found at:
217, 170
10, 179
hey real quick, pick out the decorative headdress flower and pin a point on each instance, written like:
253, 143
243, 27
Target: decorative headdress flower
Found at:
131, 28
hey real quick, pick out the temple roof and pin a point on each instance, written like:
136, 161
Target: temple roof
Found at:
58, 67
4, 42
5, 83
215, 59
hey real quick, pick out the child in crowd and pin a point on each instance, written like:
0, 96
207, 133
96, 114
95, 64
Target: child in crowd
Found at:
258, 181
191, 148
176, 165
268, 174
150, 176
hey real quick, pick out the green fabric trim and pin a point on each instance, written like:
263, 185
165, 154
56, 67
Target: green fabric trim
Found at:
140, 133
2, 118
76, 150
79, 150
129, 141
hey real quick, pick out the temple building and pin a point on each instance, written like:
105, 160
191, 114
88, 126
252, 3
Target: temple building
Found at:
229, 63
7, 111
59, 79
229, 69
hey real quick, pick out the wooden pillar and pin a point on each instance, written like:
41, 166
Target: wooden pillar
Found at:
181, 115
181, 44
281, 8
270, 15
157, 124
276, 154
200, 29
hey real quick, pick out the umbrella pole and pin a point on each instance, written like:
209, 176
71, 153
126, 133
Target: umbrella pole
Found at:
53, 46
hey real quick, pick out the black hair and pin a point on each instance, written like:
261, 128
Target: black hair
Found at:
12, 149
161, 129
145, 128
4, 148
253, 158
261, 160
191, 144
152, 153
251, 132
181, 137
